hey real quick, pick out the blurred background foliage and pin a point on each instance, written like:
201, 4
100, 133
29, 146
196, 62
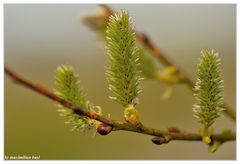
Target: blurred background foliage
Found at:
38, 38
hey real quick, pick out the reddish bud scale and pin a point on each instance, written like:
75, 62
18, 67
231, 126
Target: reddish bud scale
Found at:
159, 140
104, 129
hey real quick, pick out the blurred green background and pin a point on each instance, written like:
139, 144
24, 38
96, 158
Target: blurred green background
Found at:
38, 38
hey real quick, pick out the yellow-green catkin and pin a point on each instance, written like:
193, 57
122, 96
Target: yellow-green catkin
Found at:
208, 92
67, 87
123, 71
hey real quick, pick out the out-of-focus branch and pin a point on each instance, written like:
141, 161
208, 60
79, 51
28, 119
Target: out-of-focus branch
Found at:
165, 136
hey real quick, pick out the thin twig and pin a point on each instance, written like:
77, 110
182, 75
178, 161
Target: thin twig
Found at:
163, 58
117, 125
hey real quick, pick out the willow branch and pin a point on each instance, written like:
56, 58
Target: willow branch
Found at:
163, 58
117, 125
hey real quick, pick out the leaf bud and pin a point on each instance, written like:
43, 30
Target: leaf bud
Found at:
159, 140
104, 129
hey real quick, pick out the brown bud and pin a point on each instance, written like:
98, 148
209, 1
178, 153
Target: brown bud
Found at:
159, 140
212, 140
77, 111
104, 129
173, 130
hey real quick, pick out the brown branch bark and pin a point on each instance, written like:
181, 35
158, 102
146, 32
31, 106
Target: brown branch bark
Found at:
163, 58
117, 125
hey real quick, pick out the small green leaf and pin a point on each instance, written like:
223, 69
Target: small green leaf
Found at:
214, 147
